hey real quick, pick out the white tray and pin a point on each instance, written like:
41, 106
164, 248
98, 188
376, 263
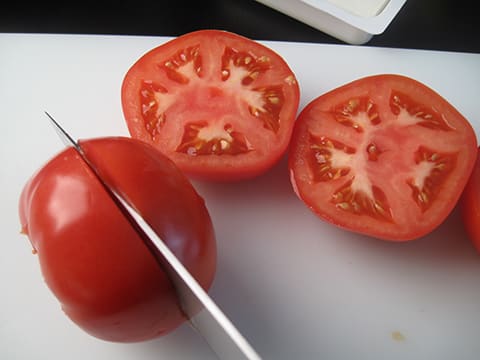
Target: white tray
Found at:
297, 287
352, 21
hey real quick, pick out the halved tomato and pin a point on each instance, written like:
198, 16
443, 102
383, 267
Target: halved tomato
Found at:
384, 156
221, 106
470, 205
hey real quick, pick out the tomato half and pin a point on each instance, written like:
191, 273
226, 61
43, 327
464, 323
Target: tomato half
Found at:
91, 258
221, 106
384, 156
470, 205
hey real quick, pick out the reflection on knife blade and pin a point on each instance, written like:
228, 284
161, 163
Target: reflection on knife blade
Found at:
204, 315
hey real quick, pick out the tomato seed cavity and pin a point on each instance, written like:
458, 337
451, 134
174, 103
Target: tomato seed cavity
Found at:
245, 68
410, 112
357, 113
152, 116
357, 202
272, 102
183, 65
432, 169
321, 156
201, 139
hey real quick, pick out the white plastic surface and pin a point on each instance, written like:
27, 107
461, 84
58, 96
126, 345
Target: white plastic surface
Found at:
296, 287
365, 8
352, 21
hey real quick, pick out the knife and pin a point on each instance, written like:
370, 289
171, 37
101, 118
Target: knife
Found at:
202, 312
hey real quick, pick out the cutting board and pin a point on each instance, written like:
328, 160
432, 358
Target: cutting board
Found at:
297, 287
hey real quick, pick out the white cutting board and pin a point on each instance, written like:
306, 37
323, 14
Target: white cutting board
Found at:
298, 288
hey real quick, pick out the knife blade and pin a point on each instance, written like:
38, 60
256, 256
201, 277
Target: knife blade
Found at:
202, 312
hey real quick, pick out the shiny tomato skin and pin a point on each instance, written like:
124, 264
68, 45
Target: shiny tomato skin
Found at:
220, 105
470, 205
91, 258
384, 156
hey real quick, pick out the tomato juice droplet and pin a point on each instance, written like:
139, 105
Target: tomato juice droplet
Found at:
398, 336
24, 229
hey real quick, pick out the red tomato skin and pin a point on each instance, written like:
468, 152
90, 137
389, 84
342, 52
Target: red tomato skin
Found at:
470, 205
423, 224
97, 266
269, 149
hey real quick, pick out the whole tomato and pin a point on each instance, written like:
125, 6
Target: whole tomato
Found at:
94, 262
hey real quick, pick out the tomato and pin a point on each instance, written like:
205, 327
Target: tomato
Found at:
470, 205
91, 258
384, 156
221, 106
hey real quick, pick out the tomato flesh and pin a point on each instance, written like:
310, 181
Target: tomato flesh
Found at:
384, 155
221, 106
95, 263
470, 205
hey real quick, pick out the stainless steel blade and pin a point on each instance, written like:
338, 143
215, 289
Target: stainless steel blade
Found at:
203, 313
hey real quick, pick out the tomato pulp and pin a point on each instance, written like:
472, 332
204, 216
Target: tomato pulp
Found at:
92, 259
470, 205
221, 106
384, 156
